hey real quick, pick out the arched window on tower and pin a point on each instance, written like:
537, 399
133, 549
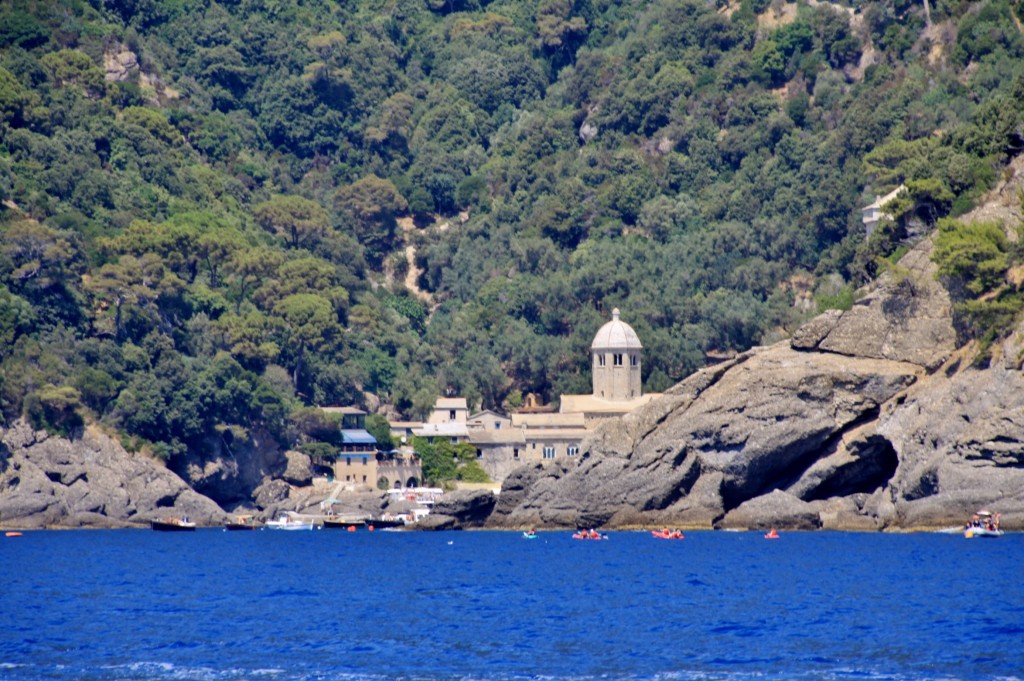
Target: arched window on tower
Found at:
600, 360
634, 360
617, 359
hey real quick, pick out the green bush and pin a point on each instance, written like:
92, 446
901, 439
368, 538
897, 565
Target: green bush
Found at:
55, 409
971, 255
472, 472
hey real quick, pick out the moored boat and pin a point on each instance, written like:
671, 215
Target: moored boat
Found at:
182, 524
242, 523
287, 522
342, 524
387, 521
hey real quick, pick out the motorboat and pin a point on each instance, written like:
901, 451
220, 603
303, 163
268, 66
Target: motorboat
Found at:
387, 521
287, 522
174, 524
984, 523
343, 524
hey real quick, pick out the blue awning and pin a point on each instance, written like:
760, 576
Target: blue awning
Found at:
357, 437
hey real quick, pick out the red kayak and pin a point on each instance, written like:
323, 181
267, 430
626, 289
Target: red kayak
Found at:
589, 535
667, 534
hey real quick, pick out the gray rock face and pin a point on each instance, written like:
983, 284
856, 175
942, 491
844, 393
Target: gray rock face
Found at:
906, 318
721, 438
960, 441
229, 470
299, 470
867, 419
462, 508
775, 509
89, 482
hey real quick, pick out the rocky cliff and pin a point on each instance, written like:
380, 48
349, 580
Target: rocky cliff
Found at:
88, 481
870, 418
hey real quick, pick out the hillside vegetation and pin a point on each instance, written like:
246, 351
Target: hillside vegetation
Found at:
217, 215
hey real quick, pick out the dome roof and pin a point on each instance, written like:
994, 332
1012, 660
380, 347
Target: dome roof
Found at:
616, 335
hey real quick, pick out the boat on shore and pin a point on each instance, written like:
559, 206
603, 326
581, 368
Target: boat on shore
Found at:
984, 523
287, 522
241, 523
182, 524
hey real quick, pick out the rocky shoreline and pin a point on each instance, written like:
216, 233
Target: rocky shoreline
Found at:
868, 419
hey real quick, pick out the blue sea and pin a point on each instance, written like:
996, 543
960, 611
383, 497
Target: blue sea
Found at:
492, 606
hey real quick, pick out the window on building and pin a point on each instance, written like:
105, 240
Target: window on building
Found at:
497, 425
515, 453
617, 359
572, 451
348, 462
634, 360
451, 414
600, 360
479, 453
364, 478
549, 452
455, 440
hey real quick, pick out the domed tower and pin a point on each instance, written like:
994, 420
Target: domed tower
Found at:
616, 355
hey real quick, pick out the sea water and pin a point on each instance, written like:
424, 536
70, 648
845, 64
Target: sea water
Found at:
480, 606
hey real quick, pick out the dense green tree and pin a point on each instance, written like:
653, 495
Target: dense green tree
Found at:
300, 221
309, 323
974, 254
372, 204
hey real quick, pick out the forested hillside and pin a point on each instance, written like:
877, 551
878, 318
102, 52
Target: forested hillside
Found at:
217, 215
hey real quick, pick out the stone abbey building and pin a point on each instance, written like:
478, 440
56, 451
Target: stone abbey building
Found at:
540, 433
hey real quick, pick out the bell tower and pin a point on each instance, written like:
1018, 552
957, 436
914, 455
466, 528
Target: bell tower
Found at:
615, 354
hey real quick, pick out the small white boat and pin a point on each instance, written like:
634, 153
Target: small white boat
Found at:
287, 522
983, 524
